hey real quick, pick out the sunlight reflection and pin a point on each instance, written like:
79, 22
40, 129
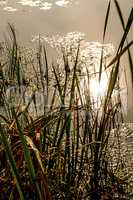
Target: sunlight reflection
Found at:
98, 89
30, 3
62, 3
3, 3
88, 60
45, 5
41, 4
10, 9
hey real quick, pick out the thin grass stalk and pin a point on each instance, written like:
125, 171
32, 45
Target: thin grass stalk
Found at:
108, 126
39, 58
85, 134
57, 130
58, 84
46, 70
73, 148
67, 158
67, 72
77, 137
53, 99
126, 31
79, 91
34, 102
13, 53
18, 73
73, 78
36, 75
62, 131
104, 33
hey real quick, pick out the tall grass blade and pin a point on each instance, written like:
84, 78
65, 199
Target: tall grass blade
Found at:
123, 25
104, 33
46, 70
126, 31
58, 84
106, 19
120, 13
74, 77
62, 132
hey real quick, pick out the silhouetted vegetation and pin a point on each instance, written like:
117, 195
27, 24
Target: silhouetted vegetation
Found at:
55, 139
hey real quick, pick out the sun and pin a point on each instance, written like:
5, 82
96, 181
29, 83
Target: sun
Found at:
98, 90
93, 89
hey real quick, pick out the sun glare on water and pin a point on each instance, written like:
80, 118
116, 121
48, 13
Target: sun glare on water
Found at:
88, 61
99, 89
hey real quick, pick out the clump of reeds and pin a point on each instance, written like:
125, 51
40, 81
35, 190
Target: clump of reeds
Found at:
58, 148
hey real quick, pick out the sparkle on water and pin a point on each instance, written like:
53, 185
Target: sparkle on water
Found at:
41, 4
62, 3
88, 58
10, 9
3, 3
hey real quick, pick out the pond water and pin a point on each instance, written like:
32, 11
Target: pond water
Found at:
31, 17
51, 17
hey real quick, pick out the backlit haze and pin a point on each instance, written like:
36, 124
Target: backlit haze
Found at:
61, 17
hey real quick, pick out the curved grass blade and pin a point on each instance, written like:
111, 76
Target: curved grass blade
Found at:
126, 31
37, 153
123, 25
118, 56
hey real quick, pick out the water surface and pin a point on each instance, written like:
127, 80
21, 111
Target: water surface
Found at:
61, 16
